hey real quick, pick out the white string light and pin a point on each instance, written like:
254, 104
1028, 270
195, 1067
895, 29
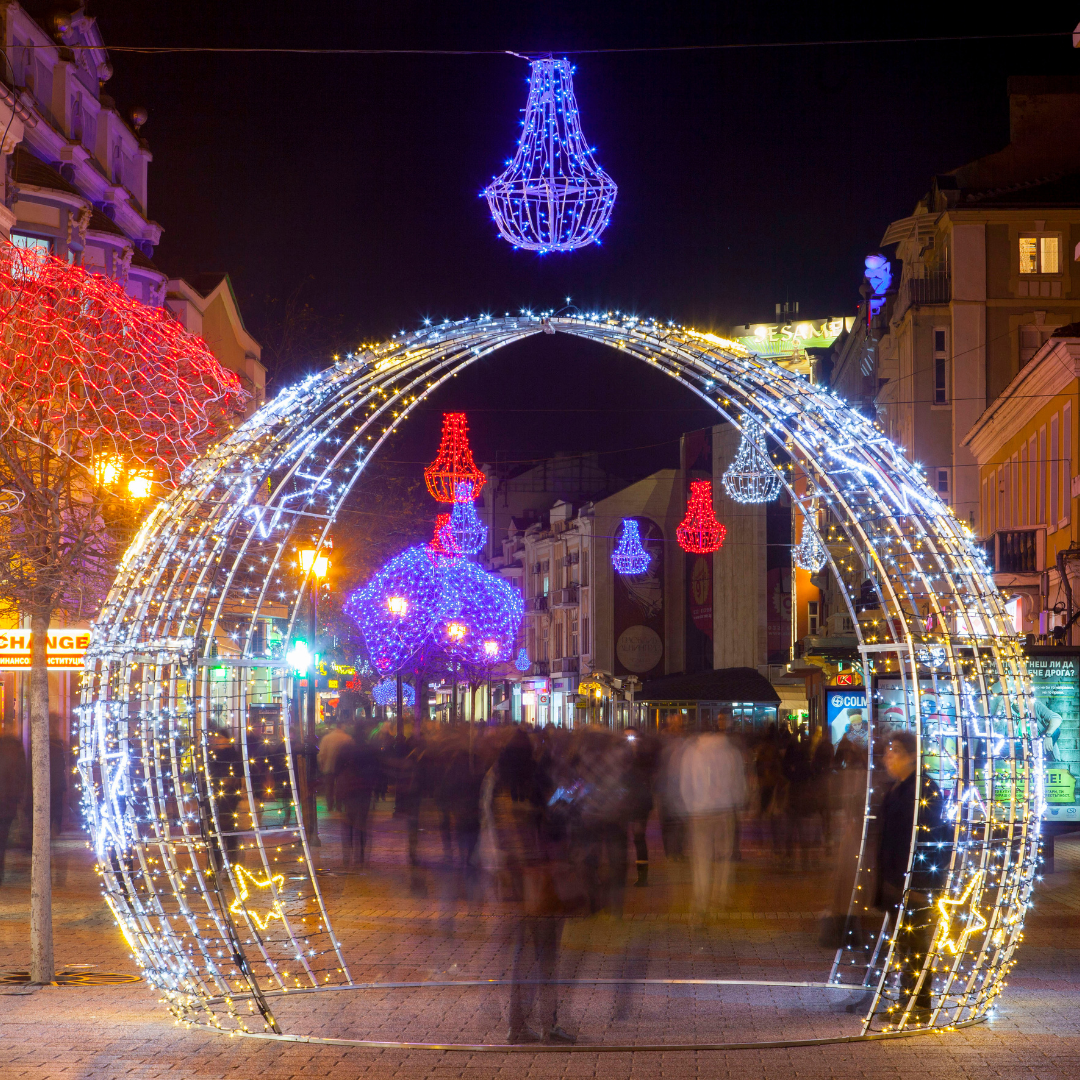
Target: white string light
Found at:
175, 776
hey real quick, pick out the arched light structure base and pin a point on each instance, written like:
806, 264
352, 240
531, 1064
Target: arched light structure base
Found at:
175, 656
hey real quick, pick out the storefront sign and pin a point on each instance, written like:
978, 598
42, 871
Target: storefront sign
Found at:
848, 678
64, 648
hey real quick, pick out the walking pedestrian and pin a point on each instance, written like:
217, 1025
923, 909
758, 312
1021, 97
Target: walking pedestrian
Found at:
713, 788
12, 788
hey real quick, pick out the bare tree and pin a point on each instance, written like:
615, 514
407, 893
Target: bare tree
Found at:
102, 401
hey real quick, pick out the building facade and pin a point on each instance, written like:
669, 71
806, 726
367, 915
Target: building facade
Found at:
988, 261
1024, 444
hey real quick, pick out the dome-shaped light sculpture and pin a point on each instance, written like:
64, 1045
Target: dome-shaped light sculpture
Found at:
385, 693
630, 557
454, 461
474, 609
752, 477
699, 533
394, 609
553, 196
809, 553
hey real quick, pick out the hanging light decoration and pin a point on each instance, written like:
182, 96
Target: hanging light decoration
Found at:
699, 532
467, 532
442, 543
523, 663
385, 693
752, 477
553, 196
629, 557
454, 461
809, 553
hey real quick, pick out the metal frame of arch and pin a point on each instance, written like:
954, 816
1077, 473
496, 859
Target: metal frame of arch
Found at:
173, 656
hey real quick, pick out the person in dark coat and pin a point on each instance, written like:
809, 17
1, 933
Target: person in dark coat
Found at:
58, 779
914, 939
644, 769
356, 776
12, 789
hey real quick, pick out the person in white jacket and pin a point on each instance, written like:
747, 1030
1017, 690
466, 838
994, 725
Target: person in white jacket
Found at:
712, 784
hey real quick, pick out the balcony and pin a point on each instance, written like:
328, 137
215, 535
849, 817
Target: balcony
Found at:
536, 603
540, 667
934, 288
1016, 551
565, 665
565, 597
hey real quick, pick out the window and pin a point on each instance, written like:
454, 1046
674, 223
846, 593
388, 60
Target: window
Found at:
1066, 462
1055, 474
40, 244
544, 644
585, 635
1040, 254
573, 633
584, 573
942, 484
813, 616
941, 368
559, 640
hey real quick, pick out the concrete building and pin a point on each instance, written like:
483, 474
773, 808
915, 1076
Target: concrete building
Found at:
988, 272
1025, 447
74, 178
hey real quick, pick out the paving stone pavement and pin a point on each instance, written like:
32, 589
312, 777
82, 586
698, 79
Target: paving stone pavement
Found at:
398, 925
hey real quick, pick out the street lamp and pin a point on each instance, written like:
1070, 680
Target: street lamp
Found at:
399, 607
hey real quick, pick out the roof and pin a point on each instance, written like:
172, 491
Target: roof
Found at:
100, 223
27, 169
725, 684
205, 284
1062, 190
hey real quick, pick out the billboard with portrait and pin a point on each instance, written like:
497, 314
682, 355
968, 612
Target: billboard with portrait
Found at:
846, 708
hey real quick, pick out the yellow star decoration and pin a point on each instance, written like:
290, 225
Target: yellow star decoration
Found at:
975, 921
239, 905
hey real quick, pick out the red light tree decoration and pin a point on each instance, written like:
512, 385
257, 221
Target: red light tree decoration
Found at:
454, 462
699, 532
101, 398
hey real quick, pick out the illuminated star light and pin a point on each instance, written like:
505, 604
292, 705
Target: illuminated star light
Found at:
239, 905
975, 920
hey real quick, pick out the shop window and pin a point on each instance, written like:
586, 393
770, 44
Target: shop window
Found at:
941, 367
1040, 253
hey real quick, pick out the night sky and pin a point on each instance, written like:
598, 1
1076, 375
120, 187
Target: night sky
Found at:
746, 177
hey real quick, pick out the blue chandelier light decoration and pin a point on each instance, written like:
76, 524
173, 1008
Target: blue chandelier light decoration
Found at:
553, 196
385, 693
630, 557
752, 477
523, 663
466, 533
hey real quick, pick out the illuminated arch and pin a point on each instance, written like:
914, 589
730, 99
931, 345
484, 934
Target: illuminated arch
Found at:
223, 942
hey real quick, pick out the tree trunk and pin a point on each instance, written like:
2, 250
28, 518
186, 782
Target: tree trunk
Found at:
41, 929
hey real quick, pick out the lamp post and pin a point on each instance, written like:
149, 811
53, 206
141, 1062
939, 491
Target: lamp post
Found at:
315, 565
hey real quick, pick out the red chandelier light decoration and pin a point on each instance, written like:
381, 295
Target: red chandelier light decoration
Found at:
454, 462
699, 533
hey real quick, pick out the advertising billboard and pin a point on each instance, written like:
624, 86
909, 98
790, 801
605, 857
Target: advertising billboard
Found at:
1055, 679
846, 708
